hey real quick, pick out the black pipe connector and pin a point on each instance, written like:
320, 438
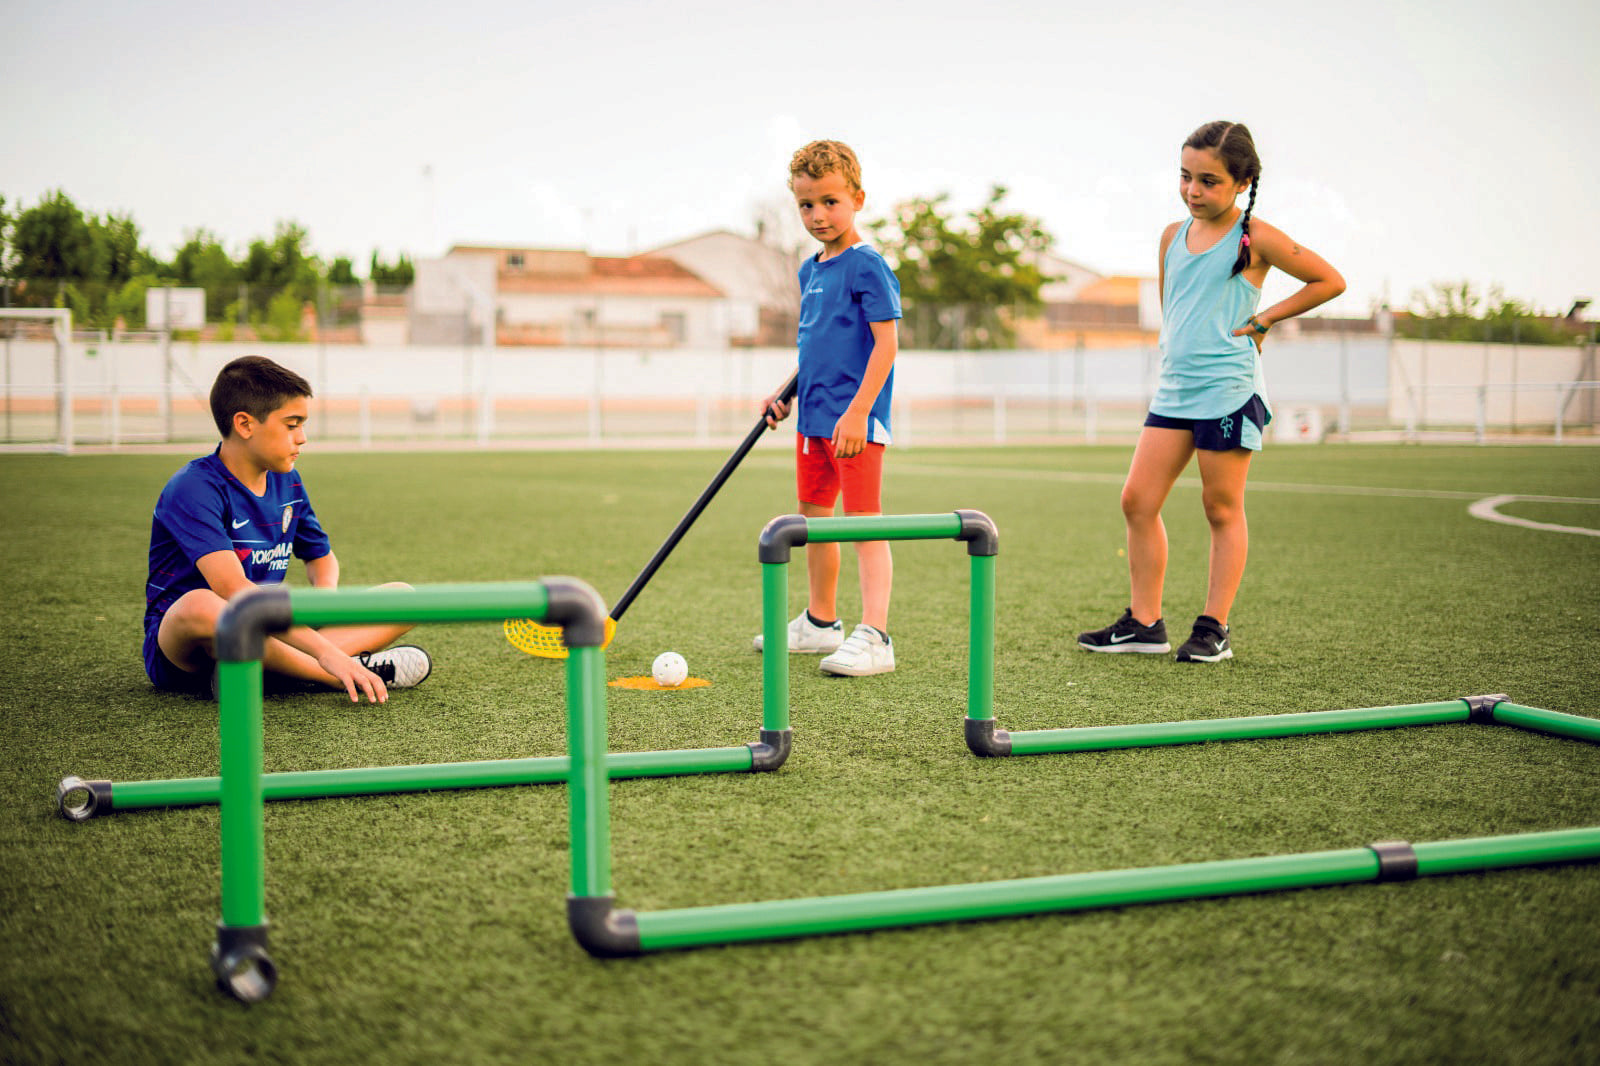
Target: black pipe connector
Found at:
603, 932
780, 536
243, 626
1397, 860
96, 798
983, 739
979, 531
1480, 709
577, 609
240, 961
771, 751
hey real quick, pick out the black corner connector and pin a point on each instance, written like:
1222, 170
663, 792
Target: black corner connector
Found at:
780, 536
1397, 860
1481, 708
243, 626
95, 798
978, 530
985, 740
239, 959
577, 609
771, 751
603, 932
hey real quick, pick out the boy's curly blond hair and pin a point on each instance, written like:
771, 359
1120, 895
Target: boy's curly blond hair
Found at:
826, 157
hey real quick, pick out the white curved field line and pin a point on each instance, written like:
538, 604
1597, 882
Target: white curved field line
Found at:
1482, 507
1488, 510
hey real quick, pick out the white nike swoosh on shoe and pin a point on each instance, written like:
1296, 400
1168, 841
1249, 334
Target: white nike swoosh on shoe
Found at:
1121, 640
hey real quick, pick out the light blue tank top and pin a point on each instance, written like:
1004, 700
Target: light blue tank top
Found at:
1206, 372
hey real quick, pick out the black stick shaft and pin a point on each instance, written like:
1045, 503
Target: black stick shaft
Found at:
784, 395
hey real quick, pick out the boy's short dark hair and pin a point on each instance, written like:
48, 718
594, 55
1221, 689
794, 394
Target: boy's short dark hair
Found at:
826, 157
255, 385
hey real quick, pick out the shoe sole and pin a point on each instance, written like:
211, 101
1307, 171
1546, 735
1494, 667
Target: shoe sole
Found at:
805, 651
1119, 649
1225, 653
851, 671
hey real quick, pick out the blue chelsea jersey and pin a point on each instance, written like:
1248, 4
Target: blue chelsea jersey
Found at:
839, 301
205, 509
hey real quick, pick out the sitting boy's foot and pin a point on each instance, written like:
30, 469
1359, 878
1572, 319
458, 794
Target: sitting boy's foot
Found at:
865, 651
808, 638
403, 666
1128, 635
1208, 643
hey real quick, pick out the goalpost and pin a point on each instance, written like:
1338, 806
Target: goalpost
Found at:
38, 378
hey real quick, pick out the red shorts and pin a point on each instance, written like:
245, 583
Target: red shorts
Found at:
820, 477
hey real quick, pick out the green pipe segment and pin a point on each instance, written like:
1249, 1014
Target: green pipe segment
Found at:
243, 828
588, 802
883, 527
429, 603
781, 919
1565, 725
377, 780
980, 639
774, 635
1106, 738
1523, 849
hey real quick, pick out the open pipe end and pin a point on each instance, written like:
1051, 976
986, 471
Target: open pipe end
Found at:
241, 964
79, 800
983, 739
603, 932
771, 751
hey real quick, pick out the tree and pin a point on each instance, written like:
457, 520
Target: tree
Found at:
381, 273
1458, 311
115, 254
963, 285
342, 273
51, 240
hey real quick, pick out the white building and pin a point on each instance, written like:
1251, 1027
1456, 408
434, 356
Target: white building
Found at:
564, 298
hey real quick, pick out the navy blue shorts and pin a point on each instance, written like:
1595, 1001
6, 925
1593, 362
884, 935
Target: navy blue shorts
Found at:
1242, 429
166, 674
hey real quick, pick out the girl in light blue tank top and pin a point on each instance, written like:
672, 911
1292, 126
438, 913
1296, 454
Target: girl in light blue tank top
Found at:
1211, 401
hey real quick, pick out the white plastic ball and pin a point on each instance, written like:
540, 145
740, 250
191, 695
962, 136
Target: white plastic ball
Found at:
670, 670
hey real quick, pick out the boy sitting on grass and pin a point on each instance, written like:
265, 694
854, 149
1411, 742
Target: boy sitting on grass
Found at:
230, 521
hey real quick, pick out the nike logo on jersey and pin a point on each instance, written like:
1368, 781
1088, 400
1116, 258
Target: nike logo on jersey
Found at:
241, 522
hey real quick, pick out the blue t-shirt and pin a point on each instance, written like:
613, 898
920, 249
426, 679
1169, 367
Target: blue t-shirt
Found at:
205, 509
839, 300
1206, 372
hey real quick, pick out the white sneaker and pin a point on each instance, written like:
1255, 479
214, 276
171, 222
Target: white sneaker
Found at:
865, 651
403, 666
810, 639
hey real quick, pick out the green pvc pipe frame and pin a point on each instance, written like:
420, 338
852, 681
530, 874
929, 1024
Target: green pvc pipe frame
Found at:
607, 932
239, 957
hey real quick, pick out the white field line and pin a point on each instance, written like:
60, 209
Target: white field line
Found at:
1488, 510
1482, 507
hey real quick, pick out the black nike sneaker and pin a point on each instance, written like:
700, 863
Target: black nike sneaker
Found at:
1127, 635
1208, 643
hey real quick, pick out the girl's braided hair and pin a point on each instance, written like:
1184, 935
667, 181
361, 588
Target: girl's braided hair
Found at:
1237, 150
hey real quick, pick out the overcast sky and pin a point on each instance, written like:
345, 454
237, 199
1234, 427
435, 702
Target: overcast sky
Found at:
1406, 142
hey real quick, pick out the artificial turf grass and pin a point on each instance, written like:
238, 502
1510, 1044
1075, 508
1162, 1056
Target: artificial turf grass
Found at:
429, 928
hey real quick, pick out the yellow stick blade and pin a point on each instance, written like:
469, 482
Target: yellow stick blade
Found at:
535, 638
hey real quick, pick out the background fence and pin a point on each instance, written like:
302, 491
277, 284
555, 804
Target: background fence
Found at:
146, 389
